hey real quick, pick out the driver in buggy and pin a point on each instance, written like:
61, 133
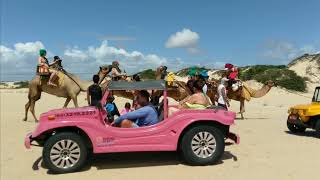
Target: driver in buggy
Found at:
145, 115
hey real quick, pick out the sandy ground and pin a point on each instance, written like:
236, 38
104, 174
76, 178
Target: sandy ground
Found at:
267, 150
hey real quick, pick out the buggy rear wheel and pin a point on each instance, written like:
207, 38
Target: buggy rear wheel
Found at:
202, 145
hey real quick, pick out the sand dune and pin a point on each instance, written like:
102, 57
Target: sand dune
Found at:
267, 150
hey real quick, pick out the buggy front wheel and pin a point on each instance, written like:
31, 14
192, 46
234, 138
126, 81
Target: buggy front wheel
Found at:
64, 152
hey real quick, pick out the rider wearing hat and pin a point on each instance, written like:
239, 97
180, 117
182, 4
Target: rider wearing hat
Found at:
232, 74
232, 71
164, 72
115, 71
43, 63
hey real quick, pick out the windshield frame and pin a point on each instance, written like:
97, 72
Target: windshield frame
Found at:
316, 95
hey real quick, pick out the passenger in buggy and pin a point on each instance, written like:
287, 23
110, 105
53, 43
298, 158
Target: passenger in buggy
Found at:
145, 115
198, 100
111, 108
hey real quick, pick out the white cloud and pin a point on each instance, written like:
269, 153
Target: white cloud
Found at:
29, 47
105, 54
184, 39
285, 51
76, 53
22, 59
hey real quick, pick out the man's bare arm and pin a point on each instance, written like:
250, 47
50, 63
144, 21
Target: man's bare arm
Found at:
88, 97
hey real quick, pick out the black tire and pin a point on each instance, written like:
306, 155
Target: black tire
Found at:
188, 153
65, 137
317, 126
295, 128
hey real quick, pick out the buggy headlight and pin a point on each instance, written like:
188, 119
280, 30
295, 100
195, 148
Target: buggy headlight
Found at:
304, 112
293, 111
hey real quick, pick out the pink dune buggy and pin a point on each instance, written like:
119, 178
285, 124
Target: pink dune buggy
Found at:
68, 136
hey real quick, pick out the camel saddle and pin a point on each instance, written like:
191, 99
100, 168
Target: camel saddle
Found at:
58, 81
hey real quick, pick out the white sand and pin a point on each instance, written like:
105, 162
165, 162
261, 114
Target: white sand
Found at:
267, 150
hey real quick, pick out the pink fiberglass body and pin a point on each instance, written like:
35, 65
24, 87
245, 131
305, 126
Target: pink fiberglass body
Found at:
163, 136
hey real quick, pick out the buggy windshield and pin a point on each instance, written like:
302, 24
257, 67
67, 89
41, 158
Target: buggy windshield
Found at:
316, 96
141, 85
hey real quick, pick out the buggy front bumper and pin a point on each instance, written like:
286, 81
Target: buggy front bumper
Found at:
27, 141
234, 137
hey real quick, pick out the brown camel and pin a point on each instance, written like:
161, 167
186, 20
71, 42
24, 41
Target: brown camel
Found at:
69, 88
245, 93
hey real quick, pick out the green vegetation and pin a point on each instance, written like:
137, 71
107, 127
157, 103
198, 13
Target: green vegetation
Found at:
281, 75
249, 72
147, 74
21, 84
184, 72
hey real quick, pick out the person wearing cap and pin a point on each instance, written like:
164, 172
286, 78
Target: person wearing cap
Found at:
232, 72
222, 94
204, 77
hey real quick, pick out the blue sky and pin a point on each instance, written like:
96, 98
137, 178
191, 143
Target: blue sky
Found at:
214, 32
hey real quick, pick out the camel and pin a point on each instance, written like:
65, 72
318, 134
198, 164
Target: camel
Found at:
104, 76
245, 94
69, 88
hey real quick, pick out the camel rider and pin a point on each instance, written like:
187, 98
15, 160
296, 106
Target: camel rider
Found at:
170, 78
191, 79
57, 61
43, 67
232, 75
232, 71
115, 71
164, 72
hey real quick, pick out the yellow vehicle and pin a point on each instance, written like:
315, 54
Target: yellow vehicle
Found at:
306, 116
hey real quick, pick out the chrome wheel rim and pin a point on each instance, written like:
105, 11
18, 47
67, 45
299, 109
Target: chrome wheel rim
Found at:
65, 153
203, 144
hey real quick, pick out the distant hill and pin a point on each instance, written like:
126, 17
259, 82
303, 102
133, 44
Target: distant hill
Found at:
147, 74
